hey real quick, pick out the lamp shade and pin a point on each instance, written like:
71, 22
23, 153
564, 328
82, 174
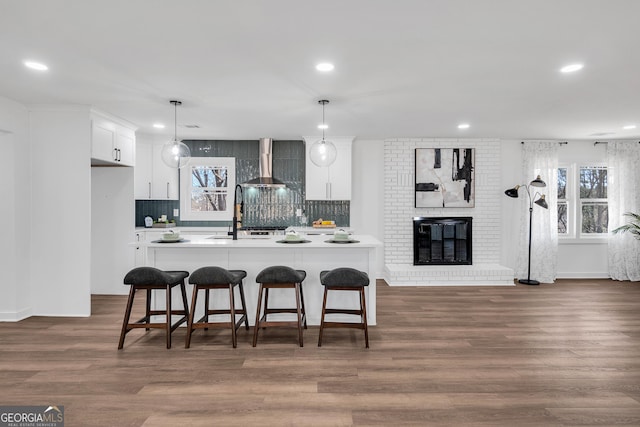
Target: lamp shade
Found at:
542, 202
323, 153
538, 182
512, 192
175, 154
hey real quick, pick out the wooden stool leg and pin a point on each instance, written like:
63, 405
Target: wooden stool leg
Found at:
148, 307
168, 308
304, 313
232, 309
299, 313
194, 296
244, 306
257, 324
363, 309
266, 303
127, 315
324, 308
207, 292
185, 304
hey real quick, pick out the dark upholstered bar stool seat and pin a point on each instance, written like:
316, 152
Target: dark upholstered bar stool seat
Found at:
280, 277
344, 279
206, 279
150, 279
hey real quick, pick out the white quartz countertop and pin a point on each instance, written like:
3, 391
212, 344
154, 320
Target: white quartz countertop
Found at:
205, 230
273, 241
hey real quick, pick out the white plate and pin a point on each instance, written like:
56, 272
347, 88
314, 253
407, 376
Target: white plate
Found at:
169, 241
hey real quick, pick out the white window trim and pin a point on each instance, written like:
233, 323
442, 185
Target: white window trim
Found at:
186, 213
574, 208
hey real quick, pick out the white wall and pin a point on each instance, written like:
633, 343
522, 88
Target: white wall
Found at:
15, 184
511, 175
367, 195
399, 211
574, 260
61, 201
112, 227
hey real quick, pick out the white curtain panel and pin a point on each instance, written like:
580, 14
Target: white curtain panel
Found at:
539, 158
623, 187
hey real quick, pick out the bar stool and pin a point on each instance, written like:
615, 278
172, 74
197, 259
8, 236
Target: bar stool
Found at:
206, 279
280, 277
150, 279
344, 279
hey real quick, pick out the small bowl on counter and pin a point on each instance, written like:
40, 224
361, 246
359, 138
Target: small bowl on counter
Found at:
171, 236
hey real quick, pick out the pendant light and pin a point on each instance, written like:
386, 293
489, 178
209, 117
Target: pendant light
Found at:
323, 152
175, 154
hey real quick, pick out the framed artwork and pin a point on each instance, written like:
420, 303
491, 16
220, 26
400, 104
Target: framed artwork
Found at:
445, 178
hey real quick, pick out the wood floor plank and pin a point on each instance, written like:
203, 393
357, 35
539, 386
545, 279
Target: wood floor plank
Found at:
564, 354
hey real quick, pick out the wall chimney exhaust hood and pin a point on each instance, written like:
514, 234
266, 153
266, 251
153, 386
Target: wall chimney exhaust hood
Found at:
266, 179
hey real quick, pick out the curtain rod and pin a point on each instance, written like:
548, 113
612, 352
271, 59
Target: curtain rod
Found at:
595, 143
604, 142
559, 142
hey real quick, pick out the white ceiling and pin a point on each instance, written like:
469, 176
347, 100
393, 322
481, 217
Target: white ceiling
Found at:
404, 68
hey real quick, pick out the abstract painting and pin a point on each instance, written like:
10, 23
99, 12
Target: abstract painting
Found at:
445, 178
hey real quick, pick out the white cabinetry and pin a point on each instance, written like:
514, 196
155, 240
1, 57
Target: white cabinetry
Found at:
153, 179
111, 142
140, 255
332, 182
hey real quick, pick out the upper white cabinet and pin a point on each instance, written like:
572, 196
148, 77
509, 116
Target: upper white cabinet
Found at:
153, 179
111, 142
331, 182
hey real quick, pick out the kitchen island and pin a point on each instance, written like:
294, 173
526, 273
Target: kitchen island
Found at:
253, 253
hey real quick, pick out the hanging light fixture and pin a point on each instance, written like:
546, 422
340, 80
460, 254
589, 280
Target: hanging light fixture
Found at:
323, 152
176, 154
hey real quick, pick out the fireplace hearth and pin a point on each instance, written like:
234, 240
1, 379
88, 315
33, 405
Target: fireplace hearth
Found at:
442, 241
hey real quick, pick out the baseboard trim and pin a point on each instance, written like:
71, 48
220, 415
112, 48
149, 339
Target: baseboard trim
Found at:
16, 316
583, 275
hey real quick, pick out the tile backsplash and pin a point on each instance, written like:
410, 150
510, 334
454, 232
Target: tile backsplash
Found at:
262, 206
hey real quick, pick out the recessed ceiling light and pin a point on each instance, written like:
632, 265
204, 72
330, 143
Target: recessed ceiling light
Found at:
571, 68
36, 65
158, 125
463, 126
325, 66
627, 127
323, 126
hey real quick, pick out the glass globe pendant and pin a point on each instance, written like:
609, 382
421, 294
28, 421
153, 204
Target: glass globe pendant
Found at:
323, 152
175, 154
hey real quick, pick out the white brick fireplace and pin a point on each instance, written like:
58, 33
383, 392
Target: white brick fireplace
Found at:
399, 211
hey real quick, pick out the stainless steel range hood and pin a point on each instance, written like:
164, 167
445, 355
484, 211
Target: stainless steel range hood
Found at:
266, 178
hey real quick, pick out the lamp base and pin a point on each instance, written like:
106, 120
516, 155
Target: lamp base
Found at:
528, 282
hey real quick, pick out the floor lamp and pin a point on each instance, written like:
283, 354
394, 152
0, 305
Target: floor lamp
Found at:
540, 201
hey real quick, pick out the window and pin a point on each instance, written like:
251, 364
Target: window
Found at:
582, 201
206, 189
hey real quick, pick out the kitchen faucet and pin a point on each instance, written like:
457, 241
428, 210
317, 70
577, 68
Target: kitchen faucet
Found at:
235, 210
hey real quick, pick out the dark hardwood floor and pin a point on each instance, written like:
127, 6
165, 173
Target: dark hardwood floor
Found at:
566, 354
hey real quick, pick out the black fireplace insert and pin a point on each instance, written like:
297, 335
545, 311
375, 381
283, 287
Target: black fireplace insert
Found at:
442, 241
